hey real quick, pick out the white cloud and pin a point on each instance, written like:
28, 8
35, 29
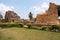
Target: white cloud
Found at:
39, 9
4, 7
35, 9
44, 5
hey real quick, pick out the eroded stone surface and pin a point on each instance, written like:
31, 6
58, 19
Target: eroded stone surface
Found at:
11, 16
50, 16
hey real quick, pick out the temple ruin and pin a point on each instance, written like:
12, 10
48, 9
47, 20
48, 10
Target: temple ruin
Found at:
50, 16
11, 16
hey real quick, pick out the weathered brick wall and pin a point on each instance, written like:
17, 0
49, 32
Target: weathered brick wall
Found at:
50, 16
10, 17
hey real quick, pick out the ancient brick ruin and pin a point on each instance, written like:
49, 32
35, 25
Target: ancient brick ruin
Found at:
11, 16
50, 16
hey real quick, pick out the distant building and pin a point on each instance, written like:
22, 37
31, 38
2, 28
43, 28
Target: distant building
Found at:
50, 16
11, 16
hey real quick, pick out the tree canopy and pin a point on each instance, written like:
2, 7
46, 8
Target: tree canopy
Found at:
1, 17
30, 16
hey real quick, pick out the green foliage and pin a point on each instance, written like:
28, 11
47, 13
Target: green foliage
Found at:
29, 26
11, 25
30, 16
45, 28
15, 13
1, 17
3, 25
55, 28
21, 25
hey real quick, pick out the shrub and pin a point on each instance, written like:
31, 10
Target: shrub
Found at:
20, 25
45, 28
54, 28
59, 27
29, 26
3, 25
11, 25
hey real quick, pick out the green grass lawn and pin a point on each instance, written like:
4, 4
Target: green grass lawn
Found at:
27, 34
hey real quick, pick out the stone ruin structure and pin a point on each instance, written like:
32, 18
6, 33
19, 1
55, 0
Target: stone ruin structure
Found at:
11, 16
50, 16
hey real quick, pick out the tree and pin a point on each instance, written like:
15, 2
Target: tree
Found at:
30, 16
1, 17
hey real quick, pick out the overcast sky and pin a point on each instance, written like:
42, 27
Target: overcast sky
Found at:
23, 7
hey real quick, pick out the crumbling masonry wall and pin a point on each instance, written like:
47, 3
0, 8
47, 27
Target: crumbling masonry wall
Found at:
11, 16
50, 16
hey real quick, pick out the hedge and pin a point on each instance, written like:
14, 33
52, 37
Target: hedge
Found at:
55, 28
10, 25
29, 26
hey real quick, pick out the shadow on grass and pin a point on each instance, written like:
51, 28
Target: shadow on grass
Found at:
10, 27
33, 28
